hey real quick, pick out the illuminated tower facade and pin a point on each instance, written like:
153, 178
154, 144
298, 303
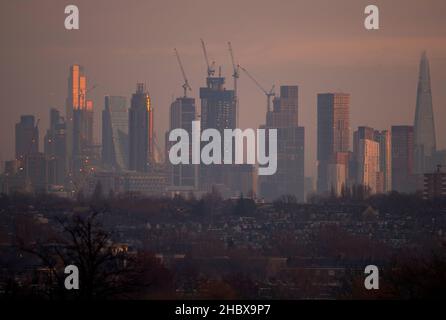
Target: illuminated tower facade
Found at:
76, 119
333, 132
384, 138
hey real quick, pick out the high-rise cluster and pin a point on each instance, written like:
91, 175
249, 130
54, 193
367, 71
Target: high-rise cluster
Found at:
381, 161
403, 158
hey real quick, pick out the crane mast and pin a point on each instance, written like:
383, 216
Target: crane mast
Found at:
235, 75
210, 67
268, 94
185, 85
235, 67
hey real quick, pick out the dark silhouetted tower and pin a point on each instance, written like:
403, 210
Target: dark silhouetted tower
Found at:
26, 137
140, 130
402, 159
55, 148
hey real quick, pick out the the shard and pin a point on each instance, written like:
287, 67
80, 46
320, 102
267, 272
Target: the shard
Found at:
424, 126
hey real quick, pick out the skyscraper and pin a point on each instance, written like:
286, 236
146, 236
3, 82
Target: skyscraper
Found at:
79, 121
183, 177
402, 159
55, 148
286, 108
368, 164
289, 178
385, 157
218, 111
140, 130
26, 137
338, 173
366, 152
115, 133
356, 167
333, 132
33, 164
88, 123
424, 126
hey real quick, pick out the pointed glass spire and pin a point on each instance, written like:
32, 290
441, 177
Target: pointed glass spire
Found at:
424, 126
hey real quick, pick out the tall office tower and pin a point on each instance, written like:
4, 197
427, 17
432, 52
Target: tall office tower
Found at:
338, 174
183, 177
218, 111
333, 132
55, 148
75, 118
140, 130
32, 162
384, 140
361, 133
402, 159
88, 130
289, 178
366, 152
424, 127
115, 133
26, 137
285, 112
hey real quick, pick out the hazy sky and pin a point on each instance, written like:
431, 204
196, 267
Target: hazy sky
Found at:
319, 45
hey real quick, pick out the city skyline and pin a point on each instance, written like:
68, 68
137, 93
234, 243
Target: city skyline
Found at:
222, 158
366, 75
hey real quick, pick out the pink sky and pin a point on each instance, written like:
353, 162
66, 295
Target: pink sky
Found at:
319, 45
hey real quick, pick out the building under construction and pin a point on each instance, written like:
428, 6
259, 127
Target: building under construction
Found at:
219, 111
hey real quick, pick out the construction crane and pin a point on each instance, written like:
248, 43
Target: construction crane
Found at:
185, 85
235, 75
235, 68
211, 69
268, 94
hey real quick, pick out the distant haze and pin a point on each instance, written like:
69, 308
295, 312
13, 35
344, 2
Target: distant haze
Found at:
319, 45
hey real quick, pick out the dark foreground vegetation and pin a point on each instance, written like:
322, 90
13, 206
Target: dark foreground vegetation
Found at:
132, 247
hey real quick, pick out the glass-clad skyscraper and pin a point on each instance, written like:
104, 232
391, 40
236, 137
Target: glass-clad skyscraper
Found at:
115, 133
424, 126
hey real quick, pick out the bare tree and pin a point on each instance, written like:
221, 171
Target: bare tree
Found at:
106, 269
